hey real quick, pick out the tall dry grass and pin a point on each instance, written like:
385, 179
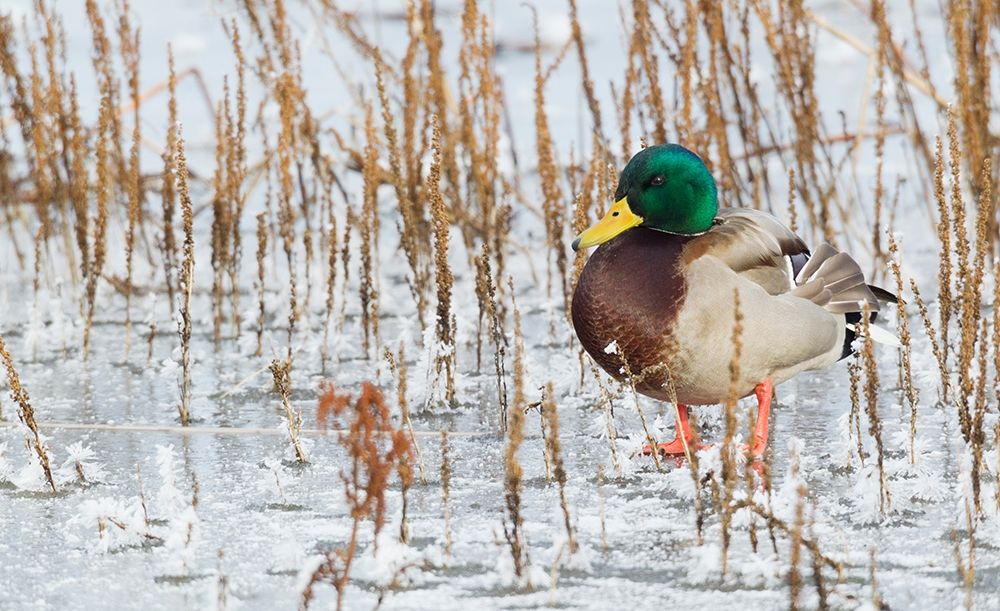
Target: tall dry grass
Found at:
428, 141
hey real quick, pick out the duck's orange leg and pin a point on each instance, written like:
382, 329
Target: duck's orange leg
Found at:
684, 436
765, 393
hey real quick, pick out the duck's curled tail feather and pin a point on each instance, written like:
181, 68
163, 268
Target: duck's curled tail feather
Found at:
833, 280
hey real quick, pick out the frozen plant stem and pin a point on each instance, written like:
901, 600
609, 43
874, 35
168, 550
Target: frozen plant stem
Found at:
281, 371
627, 371
26, 413
446, 492
398, 367
374, 448
445, 353
514, 530
909, 390
186, 278
871, 409
261, 254
550, 413
601, 508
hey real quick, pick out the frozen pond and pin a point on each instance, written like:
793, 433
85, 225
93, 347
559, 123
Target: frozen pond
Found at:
222, 515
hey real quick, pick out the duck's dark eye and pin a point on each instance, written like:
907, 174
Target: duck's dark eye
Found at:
657, 181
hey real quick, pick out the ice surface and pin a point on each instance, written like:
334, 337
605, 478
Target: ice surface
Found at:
149, 518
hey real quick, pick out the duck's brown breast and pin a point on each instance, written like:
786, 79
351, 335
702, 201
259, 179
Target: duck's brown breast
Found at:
630, 292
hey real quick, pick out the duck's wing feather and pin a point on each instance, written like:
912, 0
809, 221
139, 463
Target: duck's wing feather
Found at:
758, 247
755, 245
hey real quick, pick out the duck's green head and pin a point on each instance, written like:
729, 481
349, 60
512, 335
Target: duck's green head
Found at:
664, 187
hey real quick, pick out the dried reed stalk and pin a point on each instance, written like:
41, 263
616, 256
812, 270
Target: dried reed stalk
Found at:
601, 508
26, 414
129, 44
100, 224
977, 434
794, 576
186, 277
496, 334
996, 467
588, 85
945, 306
220, 213
514, 531
444, 357
548, 173
369, 238
728, 452
871, 409
817, 565
940, 354
331, 284
79, 188
878, 15
607, 406
446, 492
550, 414
995, 338
236, 173
261, 280
970, 274
873, 579
966, 566
281, 371
375, 449
906, 351
405, 474
409, 214
397, 363
632, 381
543, 426
792, 217
168, 181
643, 45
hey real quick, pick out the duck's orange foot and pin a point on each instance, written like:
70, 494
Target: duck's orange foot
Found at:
671, 448
756, 451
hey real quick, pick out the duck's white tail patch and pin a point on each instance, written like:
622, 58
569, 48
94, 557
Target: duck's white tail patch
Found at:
879, 335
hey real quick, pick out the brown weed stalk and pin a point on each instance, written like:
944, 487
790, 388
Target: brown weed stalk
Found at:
607, 407
281, 372
552, 206
513, 526
26, 414
728, 452
945, 306
871, 409
485, 277
444, 355
168, 181
446, 492
940, 354
261, 280
551, 415
375, 449
129, 43
100, 224
397, 363
369, 238
186, 277
905, 366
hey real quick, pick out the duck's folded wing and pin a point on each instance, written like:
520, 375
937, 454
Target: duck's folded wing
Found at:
755, 245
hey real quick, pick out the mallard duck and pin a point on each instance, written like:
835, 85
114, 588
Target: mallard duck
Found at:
658, 294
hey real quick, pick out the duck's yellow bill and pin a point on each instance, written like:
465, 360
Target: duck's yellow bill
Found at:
617, 219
